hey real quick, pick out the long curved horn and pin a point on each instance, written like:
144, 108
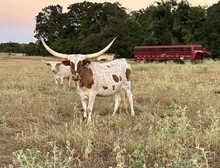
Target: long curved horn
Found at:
46, 62
94, 55
54, 53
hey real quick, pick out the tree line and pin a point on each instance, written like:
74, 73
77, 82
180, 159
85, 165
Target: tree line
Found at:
88, 27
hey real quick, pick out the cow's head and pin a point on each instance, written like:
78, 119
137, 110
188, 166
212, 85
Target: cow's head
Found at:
79, 68
77, 62
53, 65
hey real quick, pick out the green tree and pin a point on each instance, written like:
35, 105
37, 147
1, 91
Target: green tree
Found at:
12, 47
180, 18
96, 24
193, 28
34, 49
9, 50
157, 22
49, 23
87, 27
212, 30
133, 36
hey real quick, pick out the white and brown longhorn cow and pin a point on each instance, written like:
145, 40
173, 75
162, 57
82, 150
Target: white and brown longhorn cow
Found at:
60, 71
98, 79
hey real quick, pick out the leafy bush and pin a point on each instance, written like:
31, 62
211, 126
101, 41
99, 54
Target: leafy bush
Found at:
56, 157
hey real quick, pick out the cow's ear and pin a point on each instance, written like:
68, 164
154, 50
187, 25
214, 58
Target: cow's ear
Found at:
66, 62
86, 62
48, 64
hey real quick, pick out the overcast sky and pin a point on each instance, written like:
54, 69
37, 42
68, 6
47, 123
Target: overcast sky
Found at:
17, 17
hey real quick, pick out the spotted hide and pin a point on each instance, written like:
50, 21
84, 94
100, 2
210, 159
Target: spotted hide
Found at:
60, 71
98, 79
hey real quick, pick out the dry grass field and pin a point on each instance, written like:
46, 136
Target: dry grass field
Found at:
177, 123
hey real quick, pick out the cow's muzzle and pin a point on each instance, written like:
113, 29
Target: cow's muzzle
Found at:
76, 77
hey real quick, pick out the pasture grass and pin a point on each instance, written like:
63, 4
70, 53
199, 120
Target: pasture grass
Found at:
177, 122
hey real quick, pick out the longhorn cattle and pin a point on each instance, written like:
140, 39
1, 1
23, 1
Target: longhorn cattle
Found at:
60, 71
97, 79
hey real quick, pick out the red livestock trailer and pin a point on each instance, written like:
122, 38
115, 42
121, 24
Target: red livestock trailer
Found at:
169, 52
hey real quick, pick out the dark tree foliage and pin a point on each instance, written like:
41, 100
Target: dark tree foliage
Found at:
212, 30
49, 23
87, 27
180, 18
193, 27
163, 22
34, 49
12, 47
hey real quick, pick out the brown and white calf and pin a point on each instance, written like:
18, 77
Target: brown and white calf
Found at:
60, 71
98, 79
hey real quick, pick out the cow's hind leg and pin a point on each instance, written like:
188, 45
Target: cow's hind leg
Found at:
129, 94
117, 102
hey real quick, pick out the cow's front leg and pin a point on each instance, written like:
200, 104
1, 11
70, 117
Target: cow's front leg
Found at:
84, 105
61, 81
70, 79
56, 80
90, 106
